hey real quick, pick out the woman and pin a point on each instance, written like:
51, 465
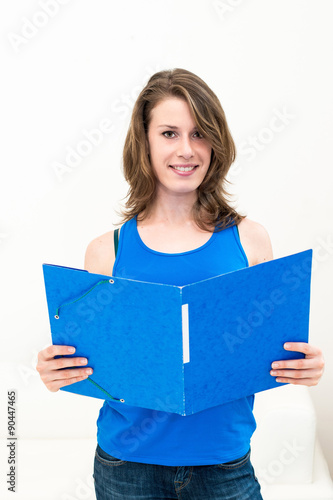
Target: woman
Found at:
178, 229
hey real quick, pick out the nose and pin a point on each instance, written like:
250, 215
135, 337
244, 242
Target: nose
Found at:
185, 148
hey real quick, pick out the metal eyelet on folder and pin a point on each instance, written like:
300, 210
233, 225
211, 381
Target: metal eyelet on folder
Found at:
56, 316
111, 281
122, 400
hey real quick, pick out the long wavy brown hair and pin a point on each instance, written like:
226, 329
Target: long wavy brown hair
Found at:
211, 208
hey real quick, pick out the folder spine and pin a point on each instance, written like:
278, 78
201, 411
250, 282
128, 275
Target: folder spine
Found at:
186, 335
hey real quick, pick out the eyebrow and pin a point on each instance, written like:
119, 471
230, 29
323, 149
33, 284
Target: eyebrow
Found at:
173, 126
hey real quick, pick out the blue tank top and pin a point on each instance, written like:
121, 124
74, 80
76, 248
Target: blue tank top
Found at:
216, 435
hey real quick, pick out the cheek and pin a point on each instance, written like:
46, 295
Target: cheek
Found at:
160, 151
206, 152
207, 161
207, 155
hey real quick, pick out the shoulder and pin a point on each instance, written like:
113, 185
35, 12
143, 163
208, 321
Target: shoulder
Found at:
255, 241
100, 256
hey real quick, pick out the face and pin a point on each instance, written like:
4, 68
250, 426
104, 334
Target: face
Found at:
173, 140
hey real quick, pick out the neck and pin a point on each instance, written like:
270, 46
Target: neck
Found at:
171, 210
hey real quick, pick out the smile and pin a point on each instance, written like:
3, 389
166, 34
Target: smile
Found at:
184, 169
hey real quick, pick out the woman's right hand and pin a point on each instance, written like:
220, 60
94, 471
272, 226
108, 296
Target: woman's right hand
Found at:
53, 371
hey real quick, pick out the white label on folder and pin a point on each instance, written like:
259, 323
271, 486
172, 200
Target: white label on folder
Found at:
186, 335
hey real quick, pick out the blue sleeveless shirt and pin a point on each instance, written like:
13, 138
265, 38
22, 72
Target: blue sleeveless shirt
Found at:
216, 435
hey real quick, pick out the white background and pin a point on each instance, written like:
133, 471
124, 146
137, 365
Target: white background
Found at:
65, 73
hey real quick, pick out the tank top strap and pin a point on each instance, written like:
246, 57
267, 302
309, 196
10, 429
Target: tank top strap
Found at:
222, 253
116, 241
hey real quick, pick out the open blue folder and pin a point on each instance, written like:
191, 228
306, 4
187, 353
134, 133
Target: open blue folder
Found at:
188, 347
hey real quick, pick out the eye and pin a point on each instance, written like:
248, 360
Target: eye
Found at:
171, 132
167, 132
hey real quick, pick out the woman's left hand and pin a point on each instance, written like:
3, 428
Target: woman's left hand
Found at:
307, 371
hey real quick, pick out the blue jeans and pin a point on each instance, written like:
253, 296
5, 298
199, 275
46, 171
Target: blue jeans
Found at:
117, 479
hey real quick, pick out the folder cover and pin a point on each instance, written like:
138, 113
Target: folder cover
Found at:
188, 347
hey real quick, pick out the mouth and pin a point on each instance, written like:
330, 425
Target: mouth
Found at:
184, 168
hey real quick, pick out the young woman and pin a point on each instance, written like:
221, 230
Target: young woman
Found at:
178, 229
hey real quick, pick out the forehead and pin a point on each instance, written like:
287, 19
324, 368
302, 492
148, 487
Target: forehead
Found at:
171, 111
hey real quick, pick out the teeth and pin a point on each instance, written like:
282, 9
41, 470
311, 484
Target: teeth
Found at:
184, 169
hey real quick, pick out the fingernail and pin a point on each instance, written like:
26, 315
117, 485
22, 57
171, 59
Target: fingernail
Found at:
83, 361
71, 349
89, 371
275, 365
287, 346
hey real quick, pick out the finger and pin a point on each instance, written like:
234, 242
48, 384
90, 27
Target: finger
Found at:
296, 374
296, 364
62, 375
71, 373
303, 347
299, 381
55, 385
61, 363
55, 350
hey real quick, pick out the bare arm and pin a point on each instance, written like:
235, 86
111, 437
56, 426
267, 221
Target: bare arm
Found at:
307, 371
56, 373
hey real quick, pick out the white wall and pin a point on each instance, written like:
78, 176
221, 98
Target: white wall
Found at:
85, 66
